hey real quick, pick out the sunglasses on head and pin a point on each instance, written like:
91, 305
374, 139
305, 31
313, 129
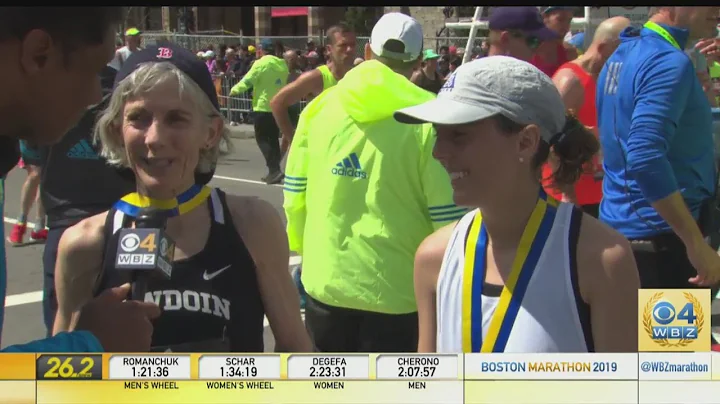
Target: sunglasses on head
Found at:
531, 41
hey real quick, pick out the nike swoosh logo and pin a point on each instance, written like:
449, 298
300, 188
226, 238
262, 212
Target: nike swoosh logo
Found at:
208, 276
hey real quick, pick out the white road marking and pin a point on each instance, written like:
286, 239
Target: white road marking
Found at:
14, 221
23, 298
222, 177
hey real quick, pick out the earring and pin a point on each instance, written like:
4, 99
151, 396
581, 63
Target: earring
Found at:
522, 160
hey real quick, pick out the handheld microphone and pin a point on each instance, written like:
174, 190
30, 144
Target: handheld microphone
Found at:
146, 251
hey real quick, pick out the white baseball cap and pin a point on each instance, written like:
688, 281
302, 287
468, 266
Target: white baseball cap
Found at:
401, 28
494, 85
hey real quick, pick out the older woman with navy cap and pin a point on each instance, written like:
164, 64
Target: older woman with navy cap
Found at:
163, 127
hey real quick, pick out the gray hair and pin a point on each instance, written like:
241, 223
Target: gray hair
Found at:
145, 78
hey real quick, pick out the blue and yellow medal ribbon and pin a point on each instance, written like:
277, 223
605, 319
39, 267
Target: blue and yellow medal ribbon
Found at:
131, 204
528, 253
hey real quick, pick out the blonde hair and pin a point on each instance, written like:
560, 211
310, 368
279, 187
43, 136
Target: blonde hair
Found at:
143, 80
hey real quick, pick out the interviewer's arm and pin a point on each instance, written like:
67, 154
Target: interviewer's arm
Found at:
308, 83
78, 264
78, 341
661, 91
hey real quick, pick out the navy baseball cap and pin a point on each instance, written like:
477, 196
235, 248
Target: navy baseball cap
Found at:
182, 58
185, 61
524, 19
550, 9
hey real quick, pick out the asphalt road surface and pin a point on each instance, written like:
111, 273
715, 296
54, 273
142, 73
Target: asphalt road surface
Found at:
238, 173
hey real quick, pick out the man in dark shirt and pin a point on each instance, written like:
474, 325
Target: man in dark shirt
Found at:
50, 65
69, 167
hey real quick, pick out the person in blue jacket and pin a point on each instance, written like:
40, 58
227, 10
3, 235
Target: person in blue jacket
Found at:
52, 57
655, 129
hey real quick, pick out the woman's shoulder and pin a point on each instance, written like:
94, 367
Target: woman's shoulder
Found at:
604, 257
86, 235
600, 240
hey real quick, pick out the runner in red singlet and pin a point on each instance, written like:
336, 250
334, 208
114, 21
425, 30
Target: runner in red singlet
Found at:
576, 82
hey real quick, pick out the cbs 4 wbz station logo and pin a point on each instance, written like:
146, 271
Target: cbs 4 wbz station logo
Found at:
138, 247
674, 320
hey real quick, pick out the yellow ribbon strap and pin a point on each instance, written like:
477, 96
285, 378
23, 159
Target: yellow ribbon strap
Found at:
131, 204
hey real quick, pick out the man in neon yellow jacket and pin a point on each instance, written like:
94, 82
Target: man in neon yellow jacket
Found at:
361, 194
266, 76
715, 79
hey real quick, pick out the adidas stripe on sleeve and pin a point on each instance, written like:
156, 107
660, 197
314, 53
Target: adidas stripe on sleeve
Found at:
446, 213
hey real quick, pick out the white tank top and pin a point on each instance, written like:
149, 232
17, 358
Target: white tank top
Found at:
553, 316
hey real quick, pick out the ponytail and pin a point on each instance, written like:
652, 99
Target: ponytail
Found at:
573, 150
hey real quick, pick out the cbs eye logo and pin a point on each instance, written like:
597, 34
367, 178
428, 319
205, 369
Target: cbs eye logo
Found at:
130, 242
667, 326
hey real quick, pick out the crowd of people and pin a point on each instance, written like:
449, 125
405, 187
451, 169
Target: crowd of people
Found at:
514, 203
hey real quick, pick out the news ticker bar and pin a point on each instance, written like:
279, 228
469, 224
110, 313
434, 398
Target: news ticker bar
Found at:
196, 366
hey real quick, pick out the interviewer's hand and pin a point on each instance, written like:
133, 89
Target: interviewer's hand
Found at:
120, 325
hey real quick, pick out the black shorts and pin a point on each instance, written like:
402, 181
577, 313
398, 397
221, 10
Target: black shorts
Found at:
336, 329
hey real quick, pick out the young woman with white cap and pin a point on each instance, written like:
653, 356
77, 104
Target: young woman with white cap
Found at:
521, 272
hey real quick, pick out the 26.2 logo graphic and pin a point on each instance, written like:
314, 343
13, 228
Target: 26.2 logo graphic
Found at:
659, 317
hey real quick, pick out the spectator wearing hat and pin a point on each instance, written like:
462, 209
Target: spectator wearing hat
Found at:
427, 77
362, 191
209, 59
552, 54
132, 45
266, 77
517, 32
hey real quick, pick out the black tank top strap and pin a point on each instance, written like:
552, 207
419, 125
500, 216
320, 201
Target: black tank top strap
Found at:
231, 238
249, 315
582, 307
